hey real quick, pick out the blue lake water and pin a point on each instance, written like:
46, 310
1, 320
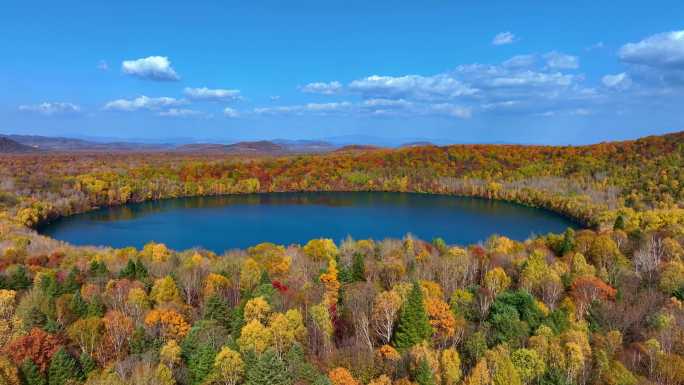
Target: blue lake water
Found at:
239, 221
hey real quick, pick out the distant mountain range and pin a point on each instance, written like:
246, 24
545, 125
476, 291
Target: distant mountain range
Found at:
36, 143
9, 146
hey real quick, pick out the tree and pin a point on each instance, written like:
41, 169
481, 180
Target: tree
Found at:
256, 309
320, 250
480, 374
38, 346
168, 323
268, 369
170, 354
385, 308
228, 367
450, 365
255, 337
413, 325
63, 369
358, 268
529, 365
497, 281
341, 376
201, 363
87, 333
9, 375
442, 320
217, 309
423, 374
165, 291
31, 373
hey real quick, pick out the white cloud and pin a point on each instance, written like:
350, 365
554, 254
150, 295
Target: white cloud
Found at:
503, 38
181, 113
520, 61
51, 108
452, 110
619, 81
218, 94
274, 98
151, 67
440, 86
142, 103
558, 60
230, 112
662, 50
330, 88
313, 108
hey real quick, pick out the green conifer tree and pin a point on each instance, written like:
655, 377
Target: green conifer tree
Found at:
413, 326
87, 363
217, 309
268, 369
200, 363
358, 268
423, 374
62, 369
31, 374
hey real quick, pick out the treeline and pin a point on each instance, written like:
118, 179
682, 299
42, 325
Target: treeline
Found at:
587, 183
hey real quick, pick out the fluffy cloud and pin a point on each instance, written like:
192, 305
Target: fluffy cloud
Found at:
619, 81
503, 38
442, 86
558, 60
51, 108
151, 67
230, 113
218, 94
663, 50
142, 103
330, 88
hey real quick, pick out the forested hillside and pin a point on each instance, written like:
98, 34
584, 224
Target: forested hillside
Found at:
596, 306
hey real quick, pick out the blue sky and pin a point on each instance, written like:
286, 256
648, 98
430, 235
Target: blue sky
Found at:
460, 71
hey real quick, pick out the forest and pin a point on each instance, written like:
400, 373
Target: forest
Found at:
600, 305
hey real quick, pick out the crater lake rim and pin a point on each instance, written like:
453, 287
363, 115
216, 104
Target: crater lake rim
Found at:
220, 223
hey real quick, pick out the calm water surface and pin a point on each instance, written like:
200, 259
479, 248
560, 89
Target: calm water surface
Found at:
226, 222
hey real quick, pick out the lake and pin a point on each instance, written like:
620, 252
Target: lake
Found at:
239, 221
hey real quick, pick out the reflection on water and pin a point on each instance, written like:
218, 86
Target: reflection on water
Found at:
230, 221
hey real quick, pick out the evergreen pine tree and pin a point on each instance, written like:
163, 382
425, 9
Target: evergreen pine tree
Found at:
568, 242
129, 270
78, 306
217, 309
358, 268
423, 374
140, 270
619, 223
87, 363
70, 284
200, 363
413, 325
31, 374
98, 268
96, 308
19, 279
268, 370
62, 369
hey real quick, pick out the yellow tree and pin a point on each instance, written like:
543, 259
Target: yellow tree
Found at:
272, 257
496, 280
165, 291
167, 323
228, 369
385, 308
250, 273
254, 336
256, 309
170, 354
321, 249
450, 366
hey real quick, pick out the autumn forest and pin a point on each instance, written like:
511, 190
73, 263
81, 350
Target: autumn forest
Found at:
600, 305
